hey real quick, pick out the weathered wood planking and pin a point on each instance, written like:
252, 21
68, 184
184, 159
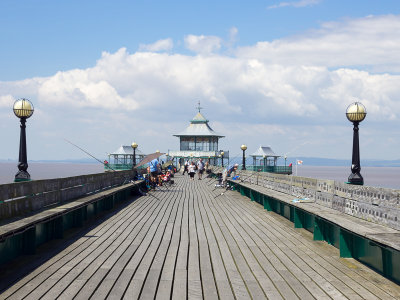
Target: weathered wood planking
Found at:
191, 241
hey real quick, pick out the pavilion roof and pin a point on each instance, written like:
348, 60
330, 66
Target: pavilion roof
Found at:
199, 127
126, 150
264, 151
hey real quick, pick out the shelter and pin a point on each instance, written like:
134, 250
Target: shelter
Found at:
265, 156
122, 158
198, 140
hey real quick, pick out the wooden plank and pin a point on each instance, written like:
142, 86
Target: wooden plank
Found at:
287, 242
188, 244
221, 279
164, 290
41, 275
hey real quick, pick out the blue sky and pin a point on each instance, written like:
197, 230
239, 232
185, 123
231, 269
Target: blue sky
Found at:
278, 73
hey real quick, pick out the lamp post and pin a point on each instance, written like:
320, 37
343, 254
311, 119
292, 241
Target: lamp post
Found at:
222, 158
243, 147
23, 109
134, 146
355, 113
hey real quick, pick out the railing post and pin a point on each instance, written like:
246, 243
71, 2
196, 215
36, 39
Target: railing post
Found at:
29, 241
267, 203
318, 230
298, 218
345, 244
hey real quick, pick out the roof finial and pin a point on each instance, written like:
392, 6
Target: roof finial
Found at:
199, 107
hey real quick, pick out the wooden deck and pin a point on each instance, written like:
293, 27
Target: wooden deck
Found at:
189, 241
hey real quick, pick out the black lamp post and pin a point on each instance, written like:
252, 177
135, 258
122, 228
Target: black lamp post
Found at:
355, 113
134, 146
243, 147
222, 158
23, 109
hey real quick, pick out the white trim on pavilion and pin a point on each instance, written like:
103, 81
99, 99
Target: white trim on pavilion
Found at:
198, 140
124, 155
264, 153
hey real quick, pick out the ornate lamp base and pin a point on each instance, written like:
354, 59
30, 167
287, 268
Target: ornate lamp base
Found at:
356, 178
22, 176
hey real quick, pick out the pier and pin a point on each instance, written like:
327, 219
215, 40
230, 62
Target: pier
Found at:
192, 240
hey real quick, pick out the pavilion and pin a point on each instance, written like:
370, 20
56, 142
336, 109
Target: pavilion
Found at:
265, 156
198, 140
122, 158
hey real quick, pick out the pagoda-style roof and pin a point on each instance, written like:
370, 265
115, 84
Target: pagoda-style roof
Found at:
199, 127
126, 150
264, 151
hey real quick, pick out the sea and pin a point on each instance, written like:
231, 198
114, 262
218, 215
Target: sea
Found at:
387, 177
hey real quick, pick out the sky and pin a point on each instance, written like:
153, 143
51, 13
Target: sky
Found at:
274, 73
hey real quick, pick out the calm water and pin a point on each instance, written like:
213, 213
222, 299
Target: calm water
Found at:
388, 177
373, 176
48, 170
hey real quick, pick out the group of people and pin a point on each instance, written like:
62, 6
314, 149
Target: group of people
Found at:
192, 166
156, 174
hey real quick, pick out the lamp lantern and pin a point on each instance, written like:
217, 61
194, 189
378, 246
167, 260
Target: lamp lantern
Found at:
244, 148
356, 113
23, 109
134, 146
222, 158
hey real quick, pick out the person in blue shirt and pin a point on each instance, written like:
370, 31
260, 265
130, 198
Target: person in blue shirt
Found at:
227, 172
153, 168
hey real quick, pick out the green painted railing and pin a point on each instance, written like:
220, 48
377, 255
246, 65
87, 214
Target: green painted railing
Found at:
271, 169
119, 167
382, 258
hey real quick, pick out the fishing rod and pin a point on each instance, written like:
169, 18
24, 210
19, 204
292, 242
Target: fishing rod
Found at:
88, 153
248, 177
232, 161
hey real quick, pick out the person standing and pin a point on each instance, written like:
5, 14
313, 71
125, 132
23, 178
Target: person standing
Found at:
192, 170
153, 168
200, 167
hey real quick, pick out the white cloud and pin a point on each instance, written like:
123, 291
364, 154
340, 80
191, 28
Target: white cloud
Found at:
278, 93
203, 44
301, 3
7, 101
160, 45
371, 42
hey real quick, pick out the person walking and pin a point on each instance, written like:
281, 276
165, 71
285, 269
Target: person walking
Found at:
200, 168
185, 167
192, 170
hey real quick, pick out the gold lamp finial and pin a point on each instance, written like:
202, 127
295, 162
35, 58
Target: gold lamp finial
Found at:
23, 108
356, 112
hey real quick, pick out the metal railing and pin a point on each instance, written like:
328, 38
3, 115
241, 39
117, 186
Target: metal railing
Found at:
270, 169
120, 167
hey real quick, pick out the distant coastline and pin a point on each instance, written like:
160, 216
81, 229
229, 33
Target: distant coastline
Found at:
316, 161
386, 177
308, 161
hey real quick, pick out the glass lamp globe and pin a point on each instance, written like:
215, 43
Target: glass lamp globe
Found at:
23, 108
222, 153
134, 145
356, 112
243, 147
